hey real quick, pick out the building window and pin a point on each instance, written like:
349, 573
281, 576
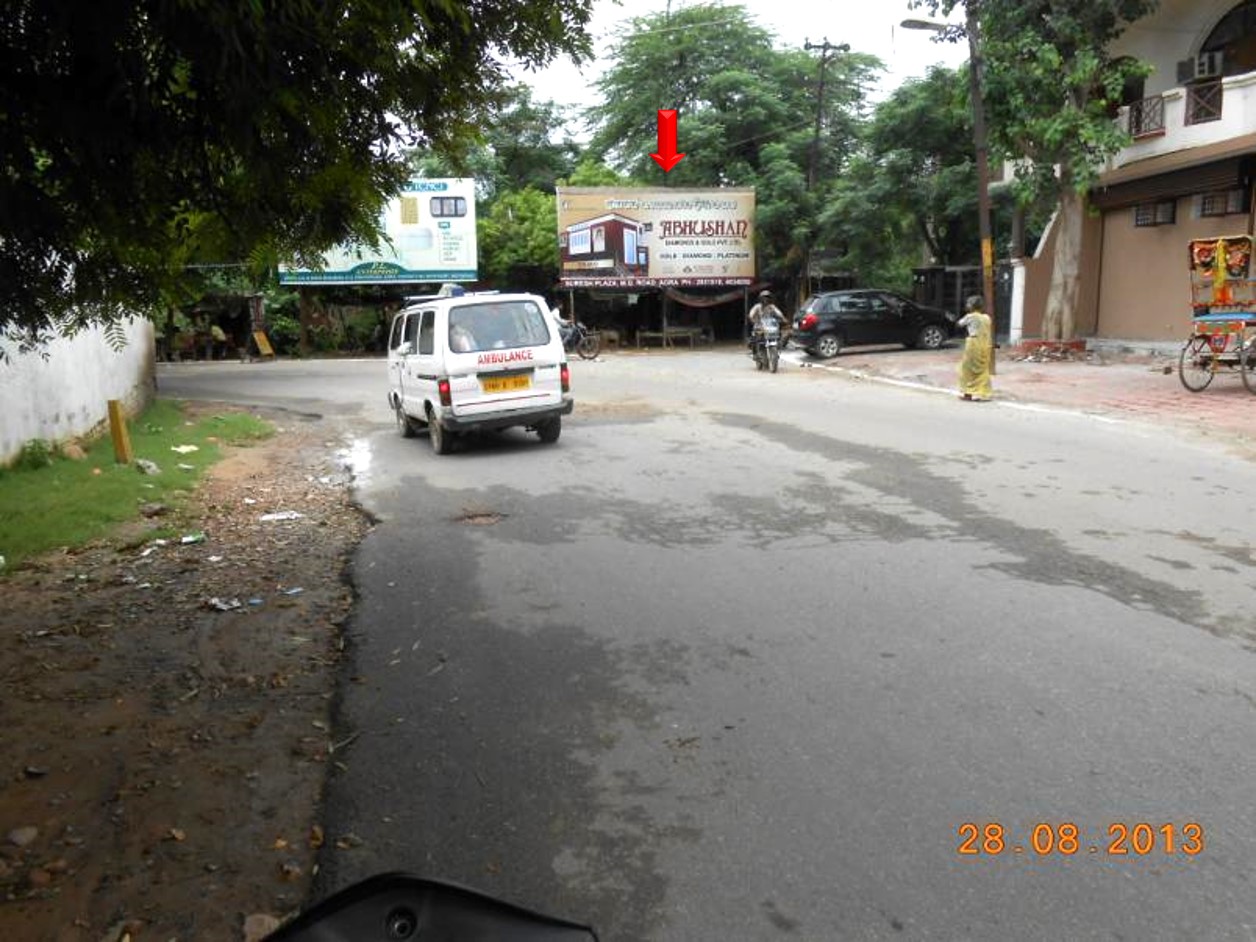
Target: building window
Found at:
1232, 38
1162, 213
579, 243
1223, 203
449, 206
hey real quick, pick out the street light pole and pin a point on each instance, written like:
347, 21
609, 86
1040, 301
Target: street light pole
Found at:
982, 147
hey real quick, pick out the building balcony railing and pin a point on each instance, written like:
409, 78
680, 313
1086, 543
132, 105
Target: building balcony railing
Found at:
1203, 102
1188, 116
1180, 118
1146, 117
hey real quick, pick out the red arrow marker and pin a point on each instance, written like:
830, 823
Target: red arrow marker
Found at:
667, 157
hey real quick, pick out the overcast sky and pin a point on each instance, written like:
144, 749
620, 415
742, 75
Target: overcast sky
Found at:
870, 26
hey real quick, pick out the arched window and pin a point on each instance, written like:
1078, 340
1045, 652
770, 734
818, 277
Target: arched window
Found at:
1235, 38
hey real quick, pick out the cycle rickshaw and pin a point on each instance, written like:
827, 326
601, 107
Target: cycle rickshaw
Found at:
1223, 301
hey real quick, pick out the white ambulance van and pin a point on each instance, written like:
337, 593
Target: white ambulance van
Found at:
477, 361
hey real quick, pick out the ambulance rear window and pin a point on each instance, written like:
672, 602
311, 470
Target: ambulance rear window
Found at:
497, 325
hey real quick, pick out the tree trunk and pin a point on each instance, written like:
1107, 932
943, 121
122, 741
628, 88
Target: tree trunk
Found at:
1059, 320
935, 249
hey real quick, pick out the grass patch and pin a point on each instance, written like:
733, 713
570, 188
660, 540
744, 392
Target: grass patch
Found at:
64, 503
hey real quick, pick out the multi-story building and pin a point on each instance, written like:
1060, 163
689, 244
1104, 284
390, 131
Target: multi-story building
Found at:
1188, 173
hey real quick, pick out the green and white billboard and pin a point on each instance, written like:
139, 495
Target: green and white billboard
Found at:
431, 225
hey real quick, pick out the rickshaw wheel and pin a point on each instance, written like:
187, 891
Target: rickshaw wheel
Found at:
1195, 365
1247, 365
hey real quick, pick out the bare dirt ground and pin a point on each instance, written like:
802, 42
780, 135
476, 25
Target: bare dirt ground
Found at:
165, 710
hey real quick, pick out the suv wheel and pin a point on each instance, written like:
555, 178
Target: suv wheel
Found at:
931, 337
827, 346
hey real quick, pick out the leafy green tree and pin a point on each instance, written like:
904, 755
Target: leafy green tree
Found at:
521, 143
911, 187
1050, 86
874, 237
747, 116
529, 143
590, 172
920, 138
136, 137
518, 240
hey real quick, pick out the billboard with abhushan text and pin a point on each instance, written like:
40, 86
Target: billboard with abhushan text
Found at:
615, 237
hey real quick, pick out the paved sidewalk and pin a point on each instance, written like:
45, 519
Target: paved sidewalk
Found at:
1143, 388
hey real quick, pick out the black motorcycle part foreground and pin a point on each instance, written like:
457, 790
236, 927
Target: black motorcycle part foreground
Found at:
395, 907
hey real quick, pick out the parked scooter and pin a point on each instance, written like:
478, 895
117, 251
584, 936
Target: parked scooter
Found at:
396, 906
766, 344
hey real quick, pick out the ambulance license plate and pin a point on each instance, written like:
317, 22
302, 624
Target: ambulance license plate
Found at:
497, 384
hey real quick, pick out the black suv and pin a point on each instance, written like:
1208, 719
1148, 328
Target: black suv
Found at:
830, 321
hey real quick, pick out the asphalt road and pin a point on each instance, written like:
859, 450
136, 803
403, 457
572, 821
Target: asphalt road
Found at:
741, 654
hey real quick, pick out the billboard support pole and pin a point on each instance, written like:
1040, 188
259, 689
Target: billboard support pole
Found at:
666, 303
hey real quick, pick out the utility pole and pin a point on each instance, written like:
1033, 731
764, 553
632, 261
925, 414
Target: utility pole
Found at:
981, 145
814, 158
825, 48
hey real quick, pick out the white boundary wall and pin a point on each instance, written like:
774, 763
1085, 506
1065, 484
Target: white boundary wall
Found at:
65, 395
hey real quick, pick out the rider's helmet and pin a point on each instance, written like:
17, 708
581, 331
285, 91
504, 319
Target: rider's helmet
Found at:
765, 295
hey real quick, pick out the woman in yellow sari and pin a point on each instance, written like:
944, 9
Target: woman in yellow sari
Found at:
974, 369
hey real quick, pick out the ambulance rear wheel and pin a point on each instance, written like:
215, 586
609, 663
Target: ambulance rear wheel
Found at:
549, 430
442, 438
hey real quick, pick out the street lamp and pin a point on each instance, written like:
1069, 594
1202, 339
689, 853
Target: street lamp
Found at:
981, 145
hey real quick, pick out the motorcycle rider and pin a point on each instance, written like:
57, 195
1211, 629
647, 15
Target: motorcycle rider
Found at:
765, 308
565, 327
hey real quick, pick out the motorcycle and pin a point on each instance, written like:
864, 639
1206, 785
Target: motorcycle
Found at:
766, 345
397, 906
578, 338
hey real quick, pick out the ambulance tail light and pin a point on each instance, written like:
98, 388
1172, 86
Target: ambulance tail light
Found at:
446, 397
565, 376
